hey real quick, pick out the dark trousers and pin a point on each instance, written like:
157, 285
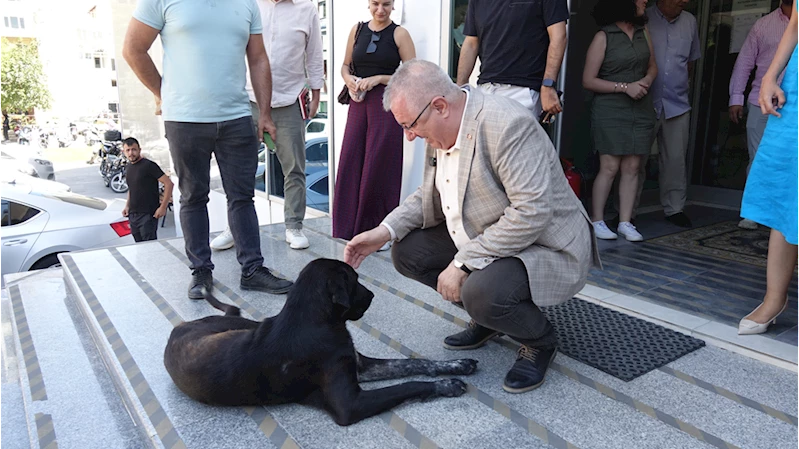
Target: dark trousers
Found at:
236, 149
143, 227
496, 297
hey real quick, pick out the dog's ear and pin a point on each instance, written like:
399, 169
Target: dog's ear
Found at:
339, 289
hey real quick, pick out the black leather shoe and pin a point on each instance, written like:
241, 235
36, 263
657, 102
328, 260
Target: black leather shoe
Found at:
263, 280
680, 219
200, 279
530, 369
472, 338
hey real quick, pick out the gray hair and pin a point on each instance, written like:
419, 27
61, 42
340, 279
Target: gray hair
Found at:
418, 81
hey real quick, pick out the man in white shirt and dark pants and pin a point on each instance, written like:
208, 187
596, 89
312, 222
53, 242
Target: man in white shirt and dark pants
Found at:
293, 41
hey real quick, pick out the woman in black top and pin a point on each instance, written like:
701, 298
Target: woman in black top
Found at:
369, 174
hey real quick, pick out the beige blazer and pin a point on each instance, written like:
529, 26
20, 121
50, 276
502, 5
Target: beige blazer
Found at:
515, 201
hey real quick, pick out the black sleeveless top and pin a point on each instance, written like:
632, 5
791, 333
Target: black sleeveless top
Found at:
386, 57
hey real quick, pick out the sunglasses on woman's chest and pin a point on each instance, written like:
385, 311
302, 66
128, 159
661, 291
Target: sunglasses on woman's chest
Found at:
372, 47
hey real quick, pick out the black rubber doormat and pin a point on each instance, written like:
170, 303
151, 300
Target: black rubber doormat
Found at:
620, 345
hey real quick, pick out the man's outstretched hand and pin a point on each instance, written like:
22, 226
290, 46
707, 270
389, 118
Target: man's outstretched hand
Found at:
364, 244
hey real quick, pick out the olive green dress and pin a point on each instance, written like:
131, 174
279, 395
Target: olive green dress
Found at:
620, 125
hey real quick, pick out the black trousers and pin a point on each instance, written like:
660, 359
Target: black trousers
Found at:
143, 227
235, 146
497, 297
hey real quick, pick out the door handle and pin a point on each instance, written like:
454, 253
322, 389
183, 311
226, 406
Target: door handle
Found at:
15, 242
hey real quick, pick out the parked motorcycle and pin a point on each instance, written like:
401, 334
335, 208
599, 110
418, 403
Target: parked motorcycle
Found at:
24, 135
44, 139
115, 174
92, 136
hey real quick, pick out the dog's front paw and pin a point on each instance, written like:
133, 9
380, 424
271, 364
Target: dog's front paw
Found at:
450, 388
464, 366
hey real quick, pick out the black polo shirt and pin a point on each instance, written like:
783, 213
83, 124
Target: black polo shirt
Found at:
513, 38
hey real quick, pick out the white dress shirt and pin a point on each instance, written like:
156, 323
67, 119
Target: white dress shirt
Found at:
447, 186
447, 162
293, 41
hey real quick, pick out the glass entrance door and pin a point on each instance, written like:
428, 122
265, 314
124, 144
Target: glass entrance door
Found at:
720, 155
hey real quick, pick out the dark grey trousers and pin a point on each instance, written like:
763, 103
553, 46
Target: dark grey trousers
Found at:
236, 149
143, 227
496, 297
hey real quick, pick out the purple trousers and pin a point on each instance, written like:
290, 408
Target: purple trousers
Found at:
369, 174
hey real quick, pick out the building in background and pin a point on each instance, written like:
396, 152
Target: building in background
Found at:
18, 22
77, 54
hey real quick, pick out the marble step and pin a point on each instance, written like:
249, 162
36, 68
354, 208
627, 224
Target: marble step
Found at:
70, 400
134, 295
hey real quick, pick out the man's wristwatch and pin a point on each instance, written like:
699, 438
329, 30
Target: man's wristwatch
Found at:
463, 267
548, 83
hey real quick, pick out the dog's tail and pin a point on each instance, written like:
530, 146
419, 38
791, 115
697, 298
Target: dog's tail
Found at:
230, 310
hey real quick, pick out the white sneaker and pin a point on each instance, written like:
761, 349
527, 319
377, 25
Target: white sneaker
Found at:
386, 246
603, 232
296, 239
629, 232
747, 224
223, 241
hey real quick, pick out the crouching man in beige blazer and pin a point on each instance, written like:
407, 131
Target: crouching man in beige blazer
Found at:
494, 224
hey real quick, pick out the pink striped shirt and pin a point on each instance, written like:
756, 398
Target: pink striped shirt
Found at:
758, 50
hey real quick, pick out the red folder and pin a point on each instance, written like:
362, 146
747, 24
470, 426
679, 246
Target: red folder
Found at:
305, 103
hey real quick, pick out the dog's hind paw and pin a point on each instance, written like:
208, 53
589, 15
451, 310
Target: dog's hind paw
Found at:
450, 388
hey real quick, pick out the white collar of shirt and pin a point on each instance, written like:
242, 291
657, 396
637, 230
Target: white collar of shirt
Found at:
458, 142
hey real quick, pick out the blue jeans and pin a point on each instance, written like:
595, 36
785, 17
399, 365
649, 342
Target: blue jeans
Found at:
236, 149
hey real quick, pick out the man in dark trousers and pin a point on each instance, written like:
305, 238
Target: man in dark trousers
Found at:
143, 209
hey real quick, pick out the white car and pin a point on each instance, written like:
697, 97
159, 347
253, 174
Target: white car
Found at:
315, 128
10, 175
30, 164
37, 225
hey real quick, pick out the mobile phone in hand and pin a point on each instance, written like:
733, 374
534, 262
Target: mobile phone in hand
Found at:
270, 144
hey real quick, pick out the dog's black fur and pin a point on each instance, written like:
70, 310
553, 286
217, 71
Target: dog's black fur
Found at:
304, 354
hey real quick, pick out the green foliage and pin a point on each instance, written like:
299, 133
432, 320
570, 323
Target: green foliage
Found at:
23, 81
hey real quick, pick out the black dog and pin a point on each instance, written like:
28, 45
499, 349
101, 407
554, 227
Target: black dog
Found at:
304, 354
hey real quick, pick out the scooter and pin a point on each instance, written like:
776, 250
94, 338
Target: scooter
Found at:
24, 135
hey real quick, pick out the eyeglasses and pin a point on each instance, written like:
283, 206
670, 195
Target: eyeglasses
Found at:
372, 47
409, 127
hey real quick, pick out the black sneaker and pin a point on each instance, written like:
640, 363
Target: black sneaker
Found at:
680, 219
529, 370
263, 280
200, 279
472, 338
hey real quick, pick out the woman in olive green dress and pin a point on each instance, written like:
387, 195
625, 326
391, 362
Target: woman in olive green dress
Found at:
619, 69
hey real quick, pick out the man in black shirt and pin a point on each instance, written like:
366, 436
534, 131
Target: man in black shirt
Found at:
143, 209
521, 45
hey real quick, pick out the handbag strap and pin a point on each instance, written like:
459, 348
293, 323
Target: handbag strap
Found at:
354, 43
